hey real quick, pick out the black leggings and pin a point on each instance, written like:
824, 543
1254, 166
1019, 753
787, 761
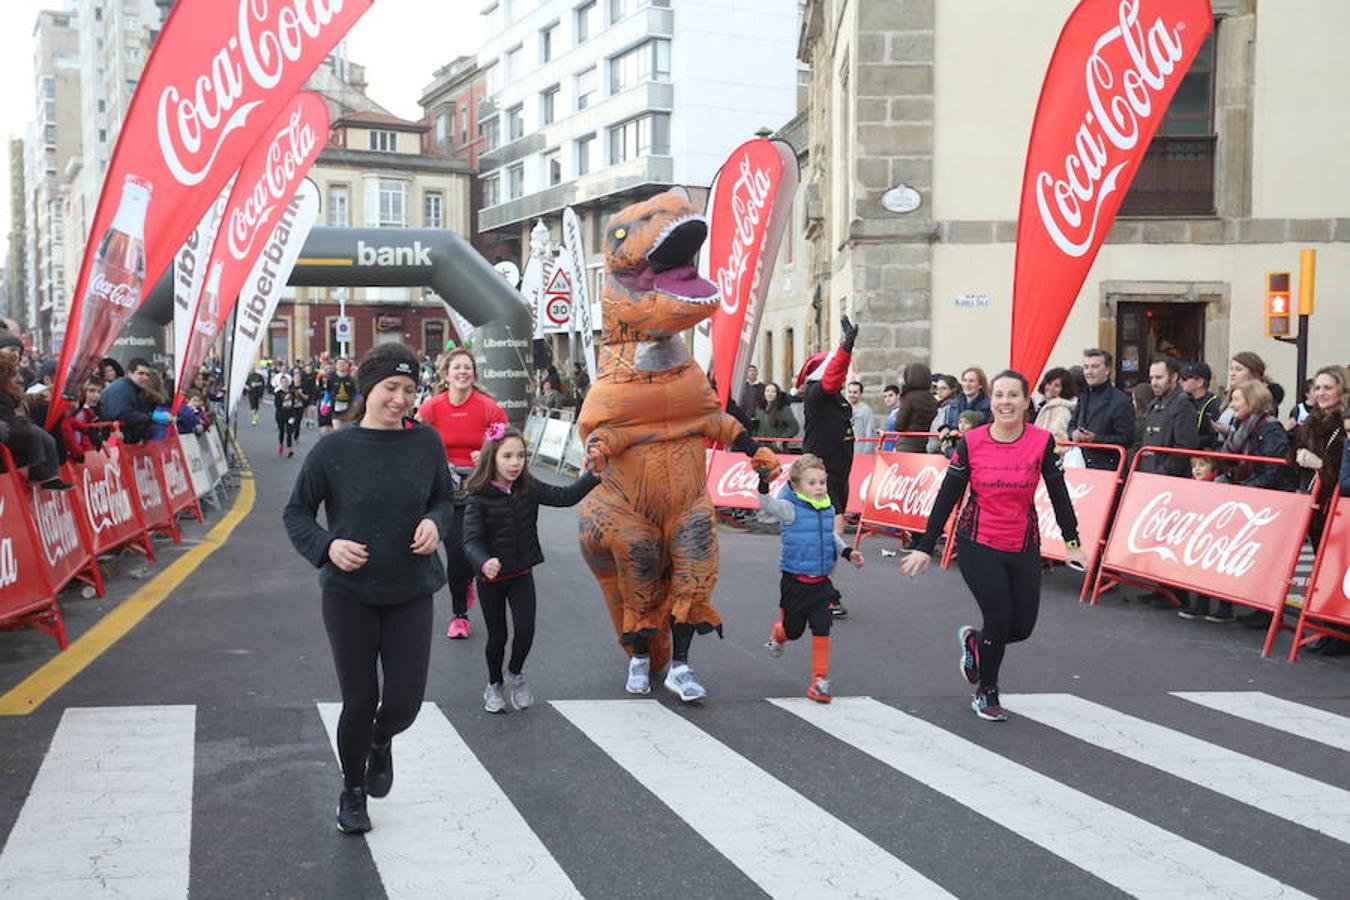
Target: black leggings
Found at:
253, 400
398, 636
288, 429
459, 571
494, 597
1007, 586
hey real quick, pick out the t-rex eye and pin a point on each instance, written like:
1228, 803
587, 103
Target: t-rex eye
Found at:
621, 233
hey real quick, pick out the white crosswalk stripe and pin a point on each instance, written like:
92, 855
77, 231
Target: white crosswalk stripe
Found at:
1273, 712
449, 830
788, 845
110, 812
1115, 846
1267, 787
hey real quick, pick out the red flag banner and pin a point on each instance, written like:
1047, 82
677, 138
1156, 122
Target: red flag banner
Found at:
220, 71
268, 179
751, 200
1110, 80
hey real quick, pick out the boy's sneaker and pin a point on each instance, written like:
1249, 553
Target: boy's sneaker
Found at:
837, 609
380, 769
819, 690
970, 653
493, 699
777, 639
459, 628
986, 706
639, 675
683, 683
521, 697
352, 817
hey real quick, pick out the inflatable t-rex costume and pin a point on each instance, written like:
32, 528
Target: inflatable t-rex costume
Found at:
647, 532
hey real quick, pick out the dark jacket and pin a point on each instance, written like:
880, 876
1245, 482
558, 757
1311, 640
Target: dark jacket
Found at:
505, 526
1266, 438
775, 423
123, 401
1109, 414
1170, 422
828, 431
1207, 410
1323, 434
917, 408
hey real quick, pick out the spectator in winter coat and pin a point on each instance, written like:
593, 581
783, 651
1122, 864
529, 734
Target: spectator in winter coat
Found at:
775, 419
1319, 443
945, 390
917, 407
1195, 379
1104, 415
125, 401
1059, 397
1169, 422
752, 394
28, 443
1257, 431
77, 431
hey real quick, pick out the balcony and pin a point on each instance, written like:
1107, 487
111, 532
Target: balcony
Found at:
1176, 178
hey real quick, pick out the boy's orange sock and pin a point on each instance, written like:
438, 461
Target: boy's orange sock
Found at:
778, 634
820, 656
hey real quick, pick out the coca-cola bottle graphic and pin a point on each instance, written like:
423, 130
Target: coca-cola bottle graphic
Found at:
115, 283
204, 329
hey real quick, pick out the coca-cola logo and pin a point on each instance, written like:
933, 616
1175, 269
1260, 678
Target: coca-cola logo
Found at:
741, 480
147, 485
1121, 94
908, 493
9, 562
108, 502
1221, 540
192, 124
1045, 510
286, 156
749, 202
56, 525
175, 477
117, 293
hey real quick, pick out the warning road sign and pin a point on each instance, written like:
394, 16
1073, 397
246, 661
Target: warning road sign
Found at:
556, 301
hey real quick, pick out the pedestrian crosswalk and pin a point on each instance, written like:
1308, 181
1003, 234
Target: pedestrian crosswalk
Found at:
110, 811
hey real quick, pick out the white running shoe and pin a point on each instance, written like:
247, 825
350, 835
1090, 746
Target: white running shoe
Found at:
683, 683
639, 675
493, 700
521, 696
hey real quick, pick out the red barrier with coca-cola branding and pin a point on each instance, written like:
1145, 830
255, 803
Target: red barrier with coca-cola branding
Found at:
219, 73
105, 497
267, 181
178, 487
734, 484
1228, 541
1110, 80
65, 544
141, 468
1093, 492
27, 597
1328, 599
901, 491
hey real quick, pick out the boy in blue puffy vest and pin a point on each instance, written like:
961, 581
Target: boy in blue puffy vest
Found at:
810, 548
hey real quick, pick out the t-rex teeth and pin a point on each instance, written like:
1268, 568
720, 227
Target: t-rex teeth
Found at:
670, 227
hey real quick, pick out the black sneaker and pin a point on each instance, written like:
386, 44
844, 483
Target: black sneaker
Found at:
837, 610
1198, 608
351, 811
380, 769
1222, 615
56, 484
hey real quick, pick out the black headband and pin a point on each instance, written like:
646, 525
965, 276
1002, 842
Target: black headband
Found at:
373, 371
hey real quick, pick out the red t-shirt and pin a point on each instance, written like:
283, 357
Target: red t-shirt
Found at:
463, 428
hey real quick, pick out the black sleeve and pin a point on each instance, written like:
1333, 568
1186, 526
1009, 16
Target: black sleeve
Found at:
1052, 470
441, 504
476, 548
1272, 442
300, 515
953, 487
744, 443
552, 495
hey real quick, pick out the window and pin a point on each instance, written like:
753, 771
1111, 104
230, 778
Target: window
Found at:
463, 126
493, 79
548, 105
515, 181
492, 190
384, 141
586, 22
546, 38
48, 86
646, 62
639, 137
50, 134
585, 87
102, 105
496, 19
515, 123
443, 129
338, 199
553, 168
621, 9
491, 132
386, 203
513, 64
584, 153
433, 209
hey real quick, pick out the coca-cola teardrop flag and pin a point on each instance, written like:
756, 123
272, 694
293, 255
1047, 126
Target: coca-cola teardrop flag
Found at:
751, 200
262, 290
220, 71
267, 181
1110, 80
189, 270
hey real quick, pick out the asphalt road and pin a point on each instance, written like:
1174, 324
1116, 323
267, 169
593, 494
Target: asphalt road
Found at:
1108, 786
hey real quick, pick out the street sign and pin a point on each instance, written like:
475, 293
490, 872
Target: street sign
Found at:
342, 330
557, 302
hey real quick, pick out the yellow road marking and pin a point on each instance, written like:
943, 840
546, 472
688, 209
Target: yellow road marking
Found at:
37, 688
325, 261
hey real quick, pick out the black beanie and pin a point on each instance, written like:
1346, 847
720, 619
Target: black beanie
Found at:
377, 368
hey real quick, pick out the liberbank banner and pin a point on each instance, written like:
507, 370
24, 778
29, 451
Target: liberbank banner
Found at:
1110, 81
220, 72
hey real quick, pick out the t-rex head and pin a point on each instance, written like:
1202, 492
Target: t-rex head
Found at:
652, 286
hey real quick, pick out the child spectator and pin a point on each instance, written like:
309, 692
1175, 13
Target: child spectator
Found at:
76, 429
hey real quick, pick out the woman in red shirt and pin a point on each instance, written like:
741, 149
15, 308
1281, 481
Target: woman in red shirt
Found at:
997, 535
461, 415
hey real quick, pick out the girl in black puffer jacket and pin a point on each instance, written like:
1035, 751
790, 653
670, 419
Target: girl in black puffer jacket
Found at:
501, 542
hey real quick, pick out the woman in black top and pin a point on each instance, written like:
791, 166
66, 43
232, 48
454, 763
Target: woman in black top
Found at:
385, 490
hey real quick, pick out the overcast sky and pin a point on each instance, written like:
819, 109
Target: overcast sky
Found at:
400, 42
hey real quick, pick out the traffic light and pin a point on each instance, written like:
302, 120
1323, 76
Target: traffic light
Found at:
1278, 314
